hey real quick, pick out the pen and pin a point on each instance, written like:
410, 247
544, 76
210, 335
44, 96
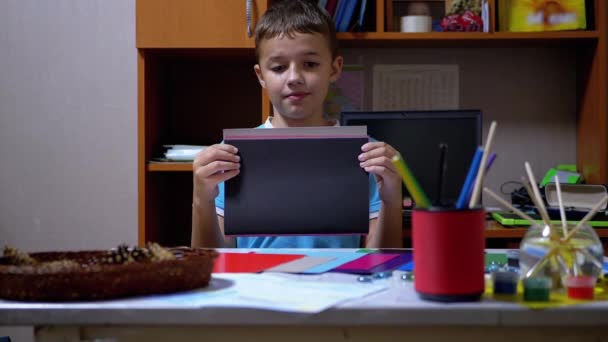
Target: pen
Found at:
490, 161
443, 165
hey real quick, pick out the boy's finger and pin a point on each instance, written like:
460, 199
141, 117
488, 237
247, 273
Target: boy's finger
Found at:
373, 145
223, 166
224, 176
208, 156
382, 151
381, 161
226, 147
376, 170
383, 173
215, 168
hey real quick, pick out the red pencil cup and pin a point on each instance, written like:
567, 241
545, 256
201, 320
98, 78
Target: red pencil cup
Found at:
449, 253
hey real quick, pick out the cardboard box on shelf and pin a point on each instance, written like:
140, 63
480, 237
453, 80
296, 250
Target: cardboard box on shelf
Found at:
541, 15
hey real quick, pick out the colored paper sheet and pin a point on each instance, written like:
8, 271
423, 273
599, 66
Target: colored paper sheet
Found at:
408, 267
339, 258
250, 262
499, 258
366, 263
393, 264
300, 265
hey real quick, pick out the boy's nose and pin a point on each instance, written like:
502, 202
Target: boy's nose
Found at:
294, 76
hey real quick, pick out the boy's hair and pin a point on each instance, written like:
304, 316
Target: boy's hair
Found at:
287, 17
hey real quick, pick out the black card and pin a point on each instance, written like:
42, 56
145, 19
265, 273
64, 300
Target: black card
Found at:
297, 186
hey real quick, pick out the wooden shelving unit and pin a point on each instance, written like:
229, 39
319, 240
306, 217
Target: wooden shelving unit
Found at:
195, 78
169, 167
467, 39
442, 37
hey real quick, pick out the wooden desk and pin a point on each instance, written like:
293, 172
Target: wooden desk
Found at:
394, 314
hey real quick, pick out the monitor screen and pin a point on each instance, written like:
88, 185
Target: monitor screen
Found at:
417, 135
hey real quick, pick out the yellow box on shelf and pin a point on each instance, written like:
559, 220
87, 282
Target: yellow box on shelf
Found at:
541, 15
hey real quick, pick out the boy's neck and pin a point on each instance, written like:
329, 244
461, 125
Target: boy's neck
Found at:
279, 121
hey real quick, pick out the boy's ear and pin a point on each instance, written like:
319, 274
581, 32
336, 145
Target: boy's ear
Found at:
336, 68
258, 73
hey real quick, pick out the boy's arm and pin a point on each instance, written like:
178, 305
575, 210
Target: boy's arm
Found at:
386, 231
208, 228
211, 166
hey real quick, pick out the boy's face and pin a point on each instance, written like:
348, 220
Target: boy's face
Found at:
296, 72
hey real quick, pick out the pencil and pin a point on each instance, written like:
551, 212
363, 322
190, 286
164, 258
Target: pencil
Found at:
410, 182
482, 167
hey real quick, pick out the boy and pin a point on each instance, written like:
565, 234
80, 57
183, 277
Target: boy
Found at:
296, 49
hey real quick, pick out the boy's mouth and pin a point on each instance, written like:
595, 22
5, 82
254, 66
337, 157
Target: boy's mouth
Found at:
296, 95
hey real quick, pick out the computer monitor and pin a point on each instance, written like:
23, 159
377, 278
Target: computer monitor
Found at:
417, 136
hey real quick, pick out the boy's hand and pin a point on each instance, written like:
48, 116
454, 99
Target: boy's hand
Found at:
376, 159
212, 166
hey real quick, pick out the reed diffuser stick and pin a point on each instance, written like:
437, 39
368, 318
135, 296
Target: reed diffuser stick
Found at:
540, 205
508, 205
587, 217
562, 212
482, 167
535, 200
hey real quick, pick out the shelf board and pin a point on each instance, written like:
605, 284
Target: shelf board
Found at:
495, 230
465, 39
170, 167
404, 39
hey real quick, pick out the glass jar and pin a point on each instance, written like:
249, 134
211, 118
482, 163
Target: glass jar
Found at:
545, 251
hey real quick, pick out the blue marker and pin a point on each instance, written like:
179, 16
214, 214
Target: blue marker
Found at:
490, 161
468, 182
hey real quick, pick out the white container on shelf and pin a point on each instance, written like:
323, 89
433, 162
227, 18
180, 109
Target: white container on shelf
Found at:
416, 23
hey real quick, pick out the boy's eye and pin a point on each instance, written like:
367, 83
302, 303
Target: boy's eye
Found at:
311, 64
277, 68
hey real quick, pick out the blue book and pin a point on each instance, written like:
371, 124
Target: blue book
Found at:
368, 17
362, 14
340, 12
347, 15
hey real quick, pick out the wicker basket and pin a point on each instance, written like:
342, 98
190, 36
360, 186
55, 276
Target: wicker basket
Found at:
190, 269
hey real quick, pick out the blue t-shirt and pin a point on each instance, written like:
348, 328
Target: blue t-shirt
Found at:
316, 241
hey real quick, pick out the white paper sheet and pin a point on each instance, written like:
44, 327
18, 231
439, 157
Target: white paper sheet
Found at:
182, 152
260, 291
415, 87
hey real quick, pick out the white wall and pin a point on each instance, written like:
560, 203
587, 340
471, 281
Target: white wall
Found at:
68, 124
